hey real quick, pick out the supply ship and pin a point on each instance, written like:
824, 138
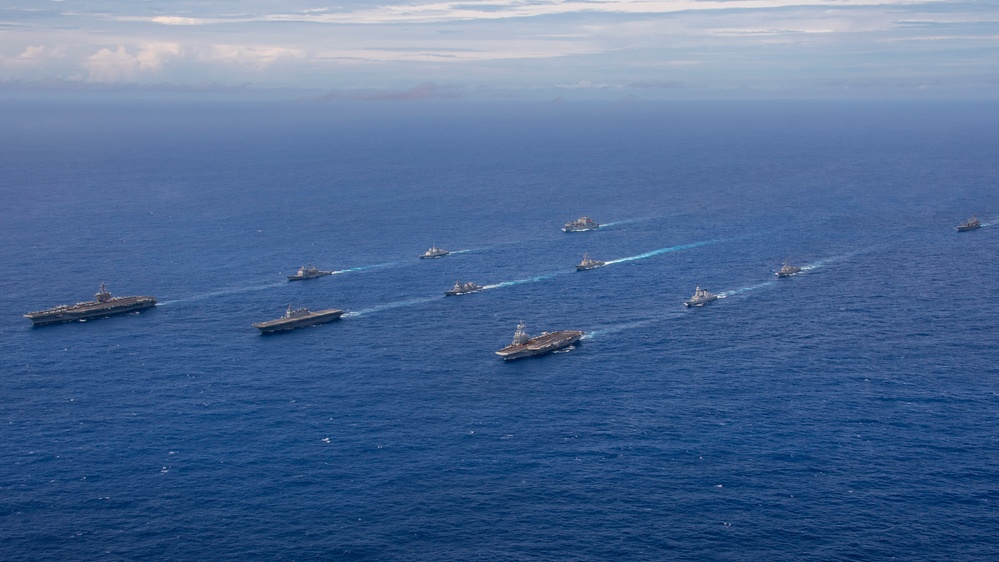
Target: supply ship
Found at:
102, 306
970, 224
787, 270
588, 263
701, 298
298, 318
434, 252
581, 224
308, 272
462, 289
525, 346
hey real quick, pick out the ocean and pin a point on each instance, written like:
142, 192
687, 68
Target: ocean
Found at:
850, 412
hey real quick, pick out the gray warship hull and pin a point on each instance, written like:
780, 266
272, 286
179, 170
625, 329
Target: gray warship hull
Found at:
286, 324
701, 302
545, 343
309, 276
90, 310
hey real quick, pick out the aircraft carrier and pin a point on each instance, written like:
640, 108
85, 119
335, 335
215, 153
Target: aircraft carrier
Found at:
102, 306
525, 346
298, 318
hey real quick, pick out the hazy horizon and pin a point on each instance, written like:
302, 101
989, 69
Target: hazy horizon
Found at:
499, 49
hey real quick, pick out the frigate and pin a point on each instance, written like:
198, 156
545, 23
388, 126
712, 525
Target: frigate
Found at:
970, 224
701, 298
581, 224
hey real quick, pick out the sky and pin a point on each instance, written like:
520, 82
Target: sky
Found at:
412, 49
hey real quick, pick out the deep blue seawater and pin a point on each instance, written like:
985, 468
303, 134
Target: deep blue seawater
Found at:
848, 413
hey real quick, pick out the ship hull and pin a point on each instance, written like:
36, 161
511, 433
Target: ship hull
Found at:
426, 257
540, 345
285, 325
786, 273
459, 293
579, 228
700, 302
312, 276
967, 228
588, 267
90, 312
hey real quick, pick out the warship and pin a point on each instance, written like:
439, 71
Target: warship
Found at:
787, 270
462, 288
434, 252
298, 318
588, 263
970, 224
308, 272
525, 346
581, 224
102, 306
701, 298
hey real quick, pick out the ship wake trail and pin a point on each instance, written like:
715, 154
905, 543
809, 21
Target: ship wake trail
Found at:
664, 251
366, 267
741, 290
224, 292
534, 279
391, 305
625, 221
608, 330
823, 262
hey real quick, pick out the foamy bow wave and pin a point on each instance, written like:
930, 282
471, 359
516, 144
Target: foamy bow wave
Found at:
391, 305
664, 251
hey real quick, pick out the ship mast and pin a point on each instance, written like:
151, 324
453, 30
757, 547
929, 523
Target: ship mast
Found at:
520, 337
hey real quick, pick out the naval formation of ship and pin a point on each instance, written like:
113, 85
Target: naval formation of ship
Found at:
525, 346
308, 272
298, 318
102, 306
970, 224
105, 305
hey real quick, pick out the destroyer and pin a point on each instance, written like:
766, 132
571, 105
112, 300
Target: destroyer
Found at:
581, 224
462, 288
525, 346
970, 224
787, 270
588, 263
298, 318
434, 252
102, 306
308, 272
701, 298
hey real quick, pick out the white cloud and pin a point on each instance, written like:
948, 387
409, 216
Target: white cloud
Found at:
119, 65
251, 56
